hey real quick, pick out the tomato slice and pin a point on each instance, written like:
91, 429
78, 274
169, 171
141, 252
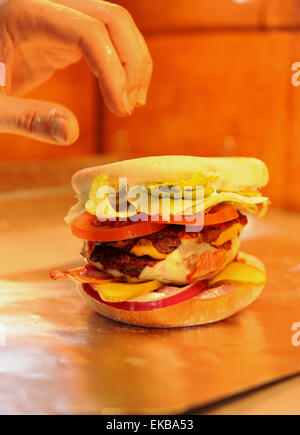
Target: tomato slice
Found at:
220, 214
217, 215
88, 227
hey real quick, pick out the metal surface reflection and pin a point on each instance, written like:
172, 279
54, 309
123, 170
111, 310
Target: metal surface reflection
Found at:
57, 356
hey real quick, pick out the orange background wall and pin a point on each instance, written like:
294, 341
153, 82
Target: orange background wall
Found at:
221, 86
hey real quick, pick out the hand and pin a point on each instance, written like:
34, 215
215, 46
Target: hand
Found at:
38, 37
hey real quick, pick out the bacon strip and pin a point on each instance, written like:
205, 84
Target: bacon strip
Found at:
208, 262
85, 274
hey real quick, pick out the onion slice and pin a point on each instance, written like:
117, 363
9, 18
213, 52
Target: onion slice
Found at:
162, 298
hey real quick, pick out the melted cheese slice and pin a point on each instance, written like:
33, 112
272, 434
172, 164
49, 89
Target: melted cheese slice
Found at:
145, 247
227, 235
241, 273
123, 291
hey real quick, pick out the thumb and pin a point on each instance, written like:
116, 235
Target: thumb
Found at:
39, 120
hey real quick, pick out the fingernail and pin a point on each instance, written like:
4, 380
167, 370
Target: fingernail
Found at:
142, 97
133, 95
128, 107
58, 130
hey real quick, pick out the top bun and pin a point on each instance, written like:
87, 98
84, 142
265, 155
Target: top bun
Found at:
234, 173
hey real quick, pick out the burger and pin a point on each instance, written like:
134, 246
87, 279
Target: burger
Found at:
161, 238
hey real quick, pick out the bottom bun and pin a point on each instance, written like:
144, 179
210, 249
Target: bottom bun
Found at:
208, 307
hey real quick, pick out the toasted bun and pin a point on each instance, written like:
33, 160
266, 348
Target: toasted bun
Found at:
234, 173
199, 310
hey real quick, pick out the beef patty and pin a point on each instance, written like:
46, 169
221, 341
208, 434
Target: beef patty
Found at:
120, 259
111, 256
